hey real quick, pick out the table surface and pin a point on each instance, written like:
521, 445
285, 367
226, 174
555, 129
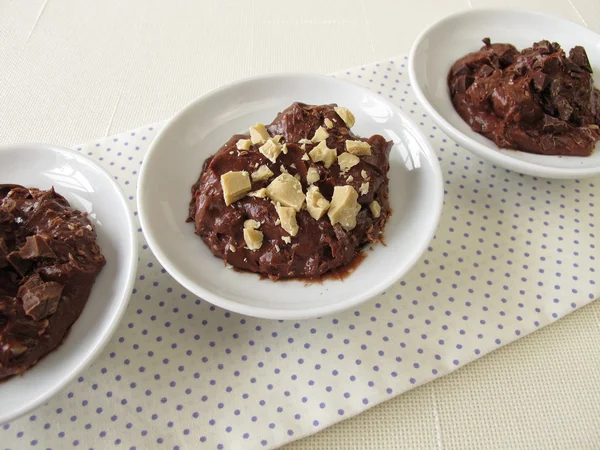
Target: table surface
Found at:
73, 71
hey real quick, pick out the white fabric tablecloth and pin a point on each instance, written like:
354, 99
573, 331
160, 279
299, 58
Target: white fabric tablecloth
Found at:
72, 71
512, 254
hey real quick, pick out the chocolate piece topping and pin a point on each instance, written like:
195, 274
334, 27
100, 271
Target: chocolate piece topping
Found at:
579, 56
40, 299
537, 100
296, 236
47, 254
36, 247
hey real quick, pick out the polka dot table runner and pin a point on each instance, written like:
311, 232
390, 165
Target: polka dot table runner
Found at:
512, 253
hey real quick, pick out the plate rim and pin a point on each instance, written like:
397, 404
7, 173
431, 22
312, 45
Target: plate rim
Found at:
124, 298
493, 155
270, 313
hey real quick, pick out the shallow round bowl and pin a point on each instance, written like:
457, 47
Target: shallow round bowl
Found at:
88, 188
440, 45
174, 162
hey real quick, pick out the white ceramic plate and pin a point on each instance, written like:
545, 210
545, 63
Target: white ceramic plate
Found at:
436, 49
88, 188
174, 161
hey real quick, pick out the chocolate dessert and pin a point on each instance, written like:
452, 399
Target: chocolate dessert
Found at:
538, 100
297, 198
49, 261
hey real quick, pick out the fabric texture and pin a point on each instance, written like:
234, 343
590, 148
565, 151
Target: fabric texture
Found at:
512, 254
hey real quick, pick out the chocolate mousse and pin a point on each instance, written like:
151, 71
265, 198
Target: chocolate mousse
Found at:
538, 100
296, 198
49, 261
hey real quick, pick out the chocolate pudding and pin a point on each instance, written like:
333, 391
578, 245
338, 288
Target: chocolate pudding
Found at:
538, 100
48, 264
296, 198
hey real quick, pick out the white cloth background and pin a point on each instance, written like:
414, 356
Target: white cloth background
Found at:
73, 71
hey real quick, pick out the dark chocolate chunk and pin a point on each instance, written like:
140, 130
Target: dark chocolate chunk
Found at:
572, 67
564, 108
507, 57
462, 83
461, 69
40, 299
21, 265
554, 125
544, 47
485, 71
539, 81
579, 56
487, 41
36, 247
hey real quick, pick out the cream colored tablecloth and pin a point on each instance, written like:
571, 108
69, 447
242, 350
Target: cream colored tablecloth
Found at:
58, 57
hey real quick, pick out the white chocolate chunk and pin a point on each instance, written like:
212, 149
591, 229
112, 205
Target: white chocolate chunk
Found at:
305, 156
312, 176
375, 208
316, 204
277, 138
244, 144
364, 188
323, 153
231, 248
287, 216
363, 173
271, 150
253, 238
286, 239
304, 141
252, 224
346, 116
350, 179
260, 193
235, 186
262, 173
320, 135
284, 149
358, 148
259, 134
286, 190
282, 169
347, 161
344, 207
328, 123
